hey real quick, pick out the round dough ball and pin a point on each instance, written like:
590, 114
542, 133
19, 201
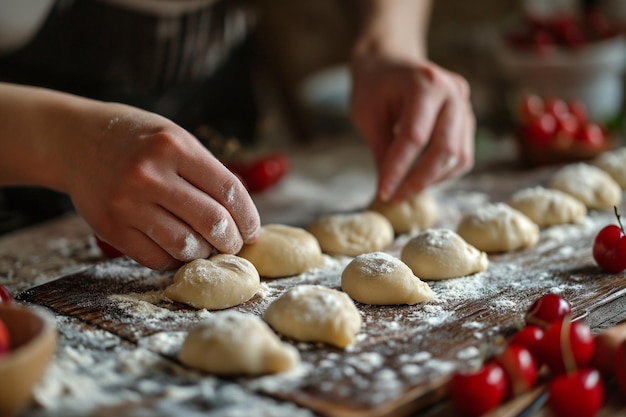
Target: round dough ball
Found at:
352, 234
592, 186
498, 227
613, 163
282, 251
438, 254
311, 313
548, 207
379, 278
232, 343
414, 214
216, 283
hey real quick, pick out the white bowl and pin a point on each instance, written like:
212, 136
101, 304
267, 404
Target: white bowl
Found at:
592, 74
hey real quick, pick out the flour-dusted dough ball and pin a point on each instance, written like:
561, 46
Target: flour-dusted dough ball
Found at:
591, 185
311, 313
548, 207
282, 251
614, 163
414, 214
382, 279
352, 234
436, 254
233, 343
497, 227
216, 283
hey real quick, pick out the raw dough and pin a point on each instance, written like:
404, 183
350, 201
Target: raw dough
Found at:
594, 187
219, 282
282, 251
548, 207
352, 234
614, 163
412, 215
438, 254
312, 313
379, 278
231, 342
497, 227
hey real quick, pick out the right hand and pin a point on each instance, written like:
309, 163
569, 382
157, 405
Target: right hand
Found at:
152, 190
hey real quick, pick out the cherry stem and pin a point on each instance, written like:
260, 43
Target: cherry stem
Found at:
619, 218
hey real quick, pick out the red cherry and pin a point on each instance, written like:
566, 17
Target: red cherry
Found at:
592, 135
107, 249
5, 295
5, 339
567, 346
568, 123
578, 109
531, 107
543, 41
547, 309
579, 394
557, 107
262, 172
620, 367
540, 130
475, 393
609, 247
520, 368
530, 337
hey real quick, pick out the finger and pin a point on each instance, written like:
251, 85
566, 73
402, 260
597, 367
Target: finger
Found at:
376, 128
206, 216
207, 174
139, 247
415, 126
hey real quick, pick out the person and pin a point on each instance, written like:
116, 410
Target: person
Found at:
147, 185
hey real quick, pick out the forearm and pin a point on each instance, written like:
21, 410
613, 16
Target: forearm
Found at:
37, 127
393, 27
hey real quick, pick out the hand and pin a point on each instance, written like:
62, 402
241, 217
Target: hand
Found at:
150, 189
417, 119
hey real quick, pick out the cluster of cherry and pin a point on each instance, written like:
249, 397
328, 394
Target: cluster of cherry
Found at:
549, 344
564, 30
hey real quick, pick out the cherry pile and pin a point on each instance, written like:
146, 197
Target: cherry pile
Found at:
564, 30
261, 173
549, 344
554, 124
5, 340
609, 247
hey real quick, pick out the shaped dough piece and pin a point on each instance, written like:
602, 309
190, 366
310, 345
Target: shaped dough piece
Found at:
498, 227
216, 283
613, 163
592, 186
414, 214
548, 207
379, 278
232, 343
437, 254
352, 234
311, 313
282, 251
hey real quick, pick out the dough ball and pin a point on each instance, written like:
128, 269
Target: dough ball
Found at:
548, 207
311, 313
438, 254
231, 343
414, 214
592, 186
613, 163
498, 227
282, 251
379, 278
352, 234
219, 282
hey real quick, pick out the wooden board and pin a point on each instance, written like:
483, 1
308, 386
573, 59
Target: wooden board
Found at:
404, 355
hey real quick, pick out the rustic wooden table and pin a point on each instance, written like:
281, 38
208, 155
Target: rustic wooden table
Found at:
97, 372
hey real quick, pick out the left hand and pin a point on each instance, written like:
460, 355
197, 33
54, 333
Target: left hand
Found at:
417, 119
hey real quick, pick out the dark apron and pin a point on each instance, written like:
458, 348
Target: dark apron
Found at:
191, 69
